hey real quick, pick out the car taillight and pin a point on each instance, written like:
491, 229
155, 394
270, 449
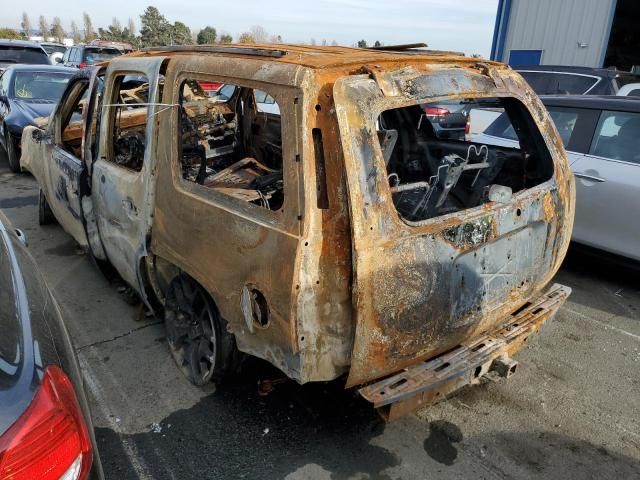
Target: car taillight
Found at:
83, 65
210, 86
50, 439
436, 111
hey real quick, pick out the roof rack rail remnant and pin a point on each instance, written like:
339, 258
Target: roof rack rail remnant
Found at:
258, 52
405, 46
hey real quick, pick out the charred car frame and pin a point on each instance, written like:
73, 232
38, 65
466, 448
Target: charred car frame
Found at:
333, 234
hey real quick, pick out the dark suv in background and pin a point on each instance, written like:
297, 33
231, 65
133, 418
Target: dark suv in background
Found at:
19, 51
564, 80
82, 56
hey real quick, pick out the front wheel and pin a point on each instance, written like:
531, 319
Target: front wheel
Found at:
12, 156
198, 338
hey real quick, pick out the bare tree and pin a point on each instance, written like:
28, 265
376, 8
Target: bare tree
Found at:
89, 33
44, 27
275, 39
324, 42
57, 30
75, 32
259, 34
334, 43
132, 27
26, 25
313, 41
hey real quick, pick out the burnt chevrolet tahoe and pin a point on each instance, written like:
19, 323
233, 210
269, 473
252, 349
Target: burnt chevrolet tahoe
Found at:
310, 215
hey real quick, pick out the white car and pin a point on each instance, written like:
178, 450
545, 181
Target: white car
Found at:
601, 136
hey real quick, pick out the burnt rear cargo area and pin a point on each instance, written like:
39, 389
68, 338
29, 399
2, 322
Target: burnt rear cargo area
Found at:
434, 170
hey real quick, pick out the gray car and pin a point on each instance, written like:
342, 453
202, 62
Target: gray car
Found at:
602, 138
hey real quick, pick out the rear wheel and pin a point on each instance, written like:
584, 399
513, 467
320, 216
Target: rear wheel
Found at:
45, 215
198, 338
12, 156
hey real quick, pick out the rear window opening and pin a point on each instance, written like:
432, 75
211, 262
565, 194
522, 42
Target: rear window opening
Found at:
434, 168
93, 55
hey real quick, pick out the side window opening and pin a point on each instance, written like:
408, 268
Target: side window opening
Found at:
231, 142
129, 117
435, 167
616, 136
71, 128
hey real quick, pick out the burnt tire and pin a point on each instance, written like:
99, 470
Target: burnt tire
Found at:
45, 215
12, 155
198, 338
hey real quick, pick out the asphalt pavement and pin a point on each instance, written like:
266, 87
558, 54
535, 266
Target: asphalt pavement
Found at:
571, 411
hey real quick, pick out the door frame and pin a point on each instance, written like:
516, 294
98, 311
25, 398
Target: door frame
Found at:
127, 261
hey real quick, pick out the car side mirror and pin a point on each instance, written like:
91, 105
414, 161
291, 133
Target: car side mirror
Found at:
41, 136
58, 59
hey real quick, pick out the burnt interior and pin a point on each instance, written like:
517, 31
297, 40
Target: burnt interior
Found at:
435, 166
231, 142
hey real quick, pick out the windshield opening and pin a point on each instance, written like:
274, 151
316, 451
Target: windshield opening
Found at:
437, 165
45, 86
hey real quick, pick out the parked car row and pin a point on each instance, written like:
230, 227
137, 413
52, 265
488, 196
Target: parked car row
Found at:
43, 53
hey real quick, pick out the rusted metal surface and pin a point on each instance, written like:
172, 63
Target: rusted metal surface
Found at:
349, 286
431, 381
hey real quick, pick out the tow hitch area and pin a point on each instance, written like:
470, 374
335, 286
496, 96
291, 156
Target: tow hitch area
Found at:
428, 382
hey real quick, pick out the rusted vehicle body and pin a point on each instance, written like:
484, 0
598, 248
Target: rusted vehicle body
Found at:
333, 235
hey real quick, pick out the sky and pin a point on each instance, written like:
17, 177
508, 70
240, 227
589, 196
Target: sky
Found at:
459, 25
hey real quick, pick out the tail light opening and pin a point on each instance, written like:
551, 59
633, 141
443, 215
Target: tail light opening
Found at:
431, 111
50, 440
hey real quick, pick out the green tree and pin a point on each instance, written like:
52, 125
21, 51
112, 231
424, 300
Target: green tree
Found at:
181, 34
89, 32
207, 35
57, 30
155, 30
246, 37
113, 33
10, 33
226, 38
362, 44
377, 44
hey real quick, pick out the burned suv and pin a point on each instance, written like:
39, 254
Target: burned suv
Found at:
331, 232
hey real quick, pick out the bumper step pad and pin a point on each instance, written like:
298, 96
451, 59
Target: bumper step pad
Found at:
428, 382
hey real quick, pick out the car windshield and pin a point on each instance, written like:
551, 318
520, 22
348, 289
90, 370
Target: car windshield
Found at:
95, 55
18, 54
559, 83
40, 85
54, 48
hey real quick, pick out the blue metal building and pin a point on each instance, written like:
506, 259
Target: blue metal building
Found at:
590, 33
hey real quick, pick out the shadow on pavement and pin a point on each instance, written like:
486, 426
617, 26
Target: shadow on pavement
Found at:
236, 433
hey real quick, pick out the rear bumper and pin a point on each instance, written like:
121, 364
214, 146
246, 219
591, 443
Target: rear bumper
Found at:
430, 381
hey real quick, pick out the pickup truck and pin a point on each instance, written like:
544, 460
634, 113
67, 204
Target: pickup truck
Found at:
334, 235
